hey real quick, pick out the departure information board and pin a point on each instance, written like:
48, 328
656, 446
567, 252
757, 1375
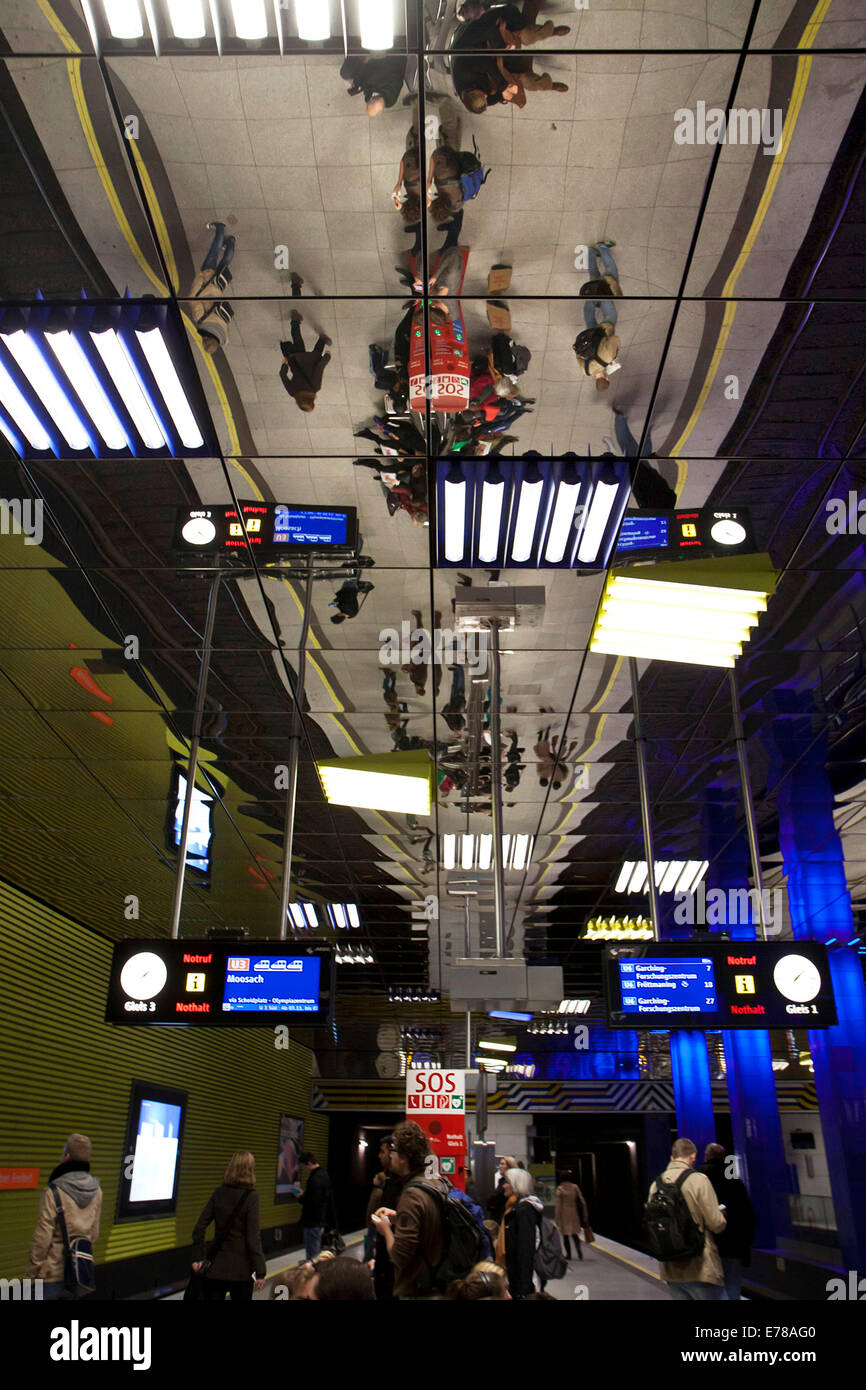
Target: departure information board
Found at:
268, 529
695, 533
220, 983
724, 984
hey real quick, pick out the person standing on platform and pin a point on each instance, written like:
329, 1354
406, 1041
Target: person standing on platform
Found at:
735, 1241
413, 1233
234, 1209
71, 1200
306, 368
314, 1204
571, 1214
698, 1276
523, 1212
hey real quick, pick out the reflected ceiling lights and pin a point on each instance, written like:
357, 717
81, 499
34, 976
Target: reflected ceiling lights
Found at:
476, 851
313, 20
671, 875
186, 18
377, 24
341, 916
123, 18
392, 782
697, 611
560, 513
412, 994
251, 20
362, 956
619, 929
78, 379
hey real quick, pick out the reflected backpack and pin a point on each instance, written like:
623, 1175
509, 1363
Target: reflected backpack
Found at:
472, 173
464, 1238
550, 1263
586, 346
671, 1230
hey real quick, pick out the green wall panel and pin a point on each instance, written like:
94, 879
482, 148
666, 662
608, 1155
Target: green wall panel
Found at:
65, 1069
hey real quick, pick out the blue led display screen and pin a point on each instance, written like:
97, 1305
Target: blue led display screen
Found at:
296, 526
642, 533
271, 984
677, 986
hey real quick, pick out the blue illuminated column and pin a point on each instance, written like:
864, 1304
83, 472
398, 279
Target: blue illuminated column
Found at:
758, 1140
820, 909
693, 1096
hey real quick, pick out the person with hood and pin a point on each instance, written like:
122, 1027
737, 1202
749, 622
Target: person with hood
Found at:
307, 368
734, 1243
80, 1197
523, 1212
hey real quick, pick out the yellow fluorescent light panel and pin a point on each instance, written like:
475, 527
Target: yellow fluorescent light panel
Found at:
697, 612
393, 782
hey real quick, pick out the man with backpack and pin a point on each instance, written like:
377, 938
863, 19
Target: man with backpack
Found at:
67, 1228
596, 349
681, 1217
431, 1238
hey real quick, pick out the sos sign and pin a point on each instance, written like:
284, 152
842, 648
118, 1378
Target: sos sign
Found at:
434, 1089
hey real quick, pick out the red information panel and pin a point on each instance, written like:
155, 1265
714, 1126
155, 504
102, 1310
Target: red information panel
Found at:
13, 1179
436, 1100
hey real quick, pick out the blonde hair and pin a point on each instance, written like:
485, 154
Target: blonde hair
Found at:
485, 1280
241, 1170
79, 1148
683, 1148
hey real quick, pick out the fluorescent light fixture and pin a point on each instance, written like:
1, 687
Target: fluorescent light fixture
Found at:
561, 526
504, 1013
47, 388
574, 1006
339, 915
625, 874
692, 874
670, 875
522, 851
600, 508
491, 1063
485, 851
467, 852
187, 19
313, 19
527, 516
492, 498
297, 915
449, 851
69, 354
377, 24
639, 878
112, 350
498, 1046
698, 612
251, 21
390, 782
455, 512
311, 915
354, 919
16, 406
160, 363
123, 18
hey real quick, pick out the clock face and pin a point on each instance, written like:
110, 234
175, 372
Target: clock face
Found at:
199, 530
797, 978
728, 532
143, 975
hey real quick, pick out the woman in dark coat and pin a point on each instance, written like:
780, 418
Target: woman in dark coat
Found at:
234, 1209
521, 1227
306, 368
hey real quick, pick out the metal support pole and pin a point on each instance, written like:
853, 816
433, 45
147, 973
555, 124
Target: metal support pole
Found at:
748, 804
496, 791
294, 750
468, 1039
192, 766
646, 816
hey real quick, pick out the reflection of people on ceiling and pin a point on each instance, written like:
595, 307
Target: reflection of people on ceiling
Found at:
407, 190
453, 710
596, 349
211, 315
380, 79
560, 768
481, 82
417, 670
307, 368
346, 599
649, 488
514, 766
606, 283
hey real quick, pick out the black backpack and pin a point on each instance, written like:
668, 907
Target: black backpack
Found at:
671, 1230
464, 1241
586, 346
550, 1263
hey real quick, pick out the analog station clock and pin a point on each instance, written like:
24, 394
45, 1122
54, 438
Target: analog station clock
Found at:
199, 530
797, 978
143, 975
727, 531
